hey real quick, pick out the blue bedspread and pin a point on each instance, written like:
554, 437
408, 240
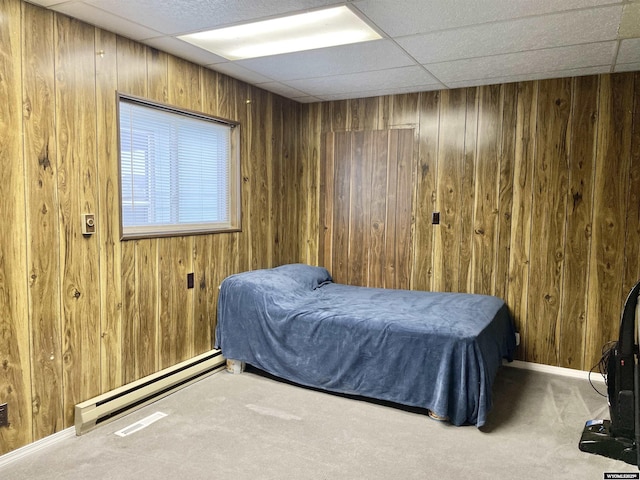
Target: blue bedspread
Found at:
439, 351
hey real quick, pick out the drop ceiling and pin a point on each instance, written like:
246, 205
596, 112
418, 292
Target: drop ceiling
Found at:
426, 44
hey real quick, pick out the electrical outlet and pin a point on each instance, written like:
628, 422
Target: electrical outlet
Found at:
4, 415
189, 280
435, 218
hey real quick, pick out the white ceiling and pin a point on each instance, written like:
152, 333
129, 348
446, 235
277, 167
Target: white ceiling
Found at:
426, 45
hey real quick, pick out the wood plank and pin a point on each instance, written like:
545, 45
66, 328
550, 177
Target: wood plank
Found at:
132, 67
357, 116
261, 172
184, 84
378, 208
391, 220
385, 107
548, 225
205, 293
579, 222
339, 116
429, 108
313, 182
521, 212
446, 251
360, 197
279, 225
487, 174
146, 350
341, 206
295, 174
147, 327
326, 108
77, 187
505, 197
467, 194
327, 187
15, 382
176, 305
404, 207
42, 222
230, 102
606, 263
108, 218
242, 102
175, 255
205, 288
404, 115
287, 168
208, 250
157, 76
210, 84
404, 110
225, 97
632, 246
132, 79
363, 113
130, 312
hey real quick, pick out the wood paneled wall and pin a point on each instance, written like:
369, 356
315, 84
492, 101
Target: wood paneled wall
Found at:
83, 315
537, 185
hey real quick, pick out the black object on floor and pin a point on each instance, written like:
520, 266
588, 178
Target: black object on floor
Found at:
619, 437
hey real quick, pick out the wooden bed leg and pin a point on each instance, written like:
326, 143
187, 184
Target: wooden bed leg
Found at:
235, 366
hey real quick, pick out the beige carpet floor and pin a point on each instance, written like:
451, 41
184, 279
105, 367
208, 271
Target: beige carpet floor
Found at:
250, 426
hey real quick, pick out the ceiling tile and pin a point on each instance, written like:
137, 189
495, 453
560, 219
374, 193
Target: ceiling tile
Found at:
576, 72
186, 16
524, 63
586, 26
384, 91
627, 67
105, 20
422, 16
307, 99
241, 73
184, 50
281, 89
354, 58
49, 3
629, 51
361, 82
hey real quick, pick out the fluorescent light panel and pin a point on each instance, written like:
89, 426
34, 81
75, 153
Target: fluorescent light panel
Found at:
294, 33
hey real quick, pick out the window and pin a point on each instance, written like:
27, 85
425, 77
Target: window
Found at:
179, 171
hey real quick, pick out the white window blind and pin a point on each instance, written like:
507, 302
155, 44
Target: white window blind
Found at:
176, 171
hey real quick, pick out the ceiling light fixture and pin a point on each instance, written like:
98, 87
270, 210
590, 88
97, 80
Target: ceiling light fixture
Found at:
294, 33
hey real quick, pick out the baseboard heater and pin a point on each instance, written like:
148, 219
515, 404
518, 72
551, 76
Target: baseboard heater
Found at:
121, 401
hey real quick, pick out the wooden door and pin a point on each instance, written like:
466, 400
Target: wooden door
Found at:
366, 203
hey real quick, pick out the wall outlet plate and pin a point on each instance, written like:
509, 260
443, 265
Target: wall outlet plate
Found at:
88, 224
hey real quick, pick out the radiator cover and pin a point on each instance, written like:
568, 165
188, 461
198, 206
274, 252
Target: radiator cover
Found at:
123, 400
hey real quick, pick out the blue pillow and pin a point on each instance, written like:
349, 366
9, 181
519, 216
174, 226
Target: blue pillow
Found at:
308, 276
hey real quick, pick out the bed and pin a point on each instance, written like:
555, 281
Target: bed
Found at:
438, 351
